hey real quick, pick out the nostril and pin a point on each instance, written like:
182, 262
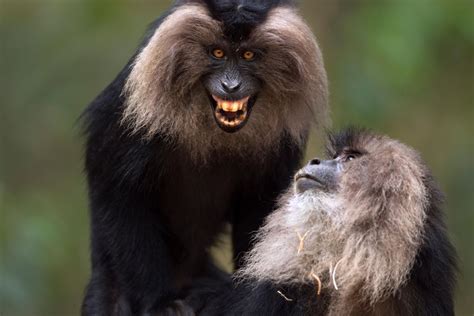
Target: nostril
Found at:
225, 85
236, 86
315, 161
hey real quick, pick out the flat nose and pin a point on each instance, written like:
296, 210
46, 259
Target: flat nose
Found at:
231, 86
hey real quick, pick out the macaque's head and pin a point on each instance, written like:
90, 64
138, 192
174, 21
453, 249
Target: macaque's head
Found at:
228, 74
363, 208
367, 173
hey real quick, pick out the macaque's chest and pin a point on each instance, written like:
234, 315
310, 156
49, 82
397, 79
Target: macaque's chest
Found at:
195, 204
195, 201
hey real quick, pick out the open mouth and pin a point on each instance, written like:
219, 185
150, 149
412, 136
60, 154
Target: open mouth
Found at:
231, 115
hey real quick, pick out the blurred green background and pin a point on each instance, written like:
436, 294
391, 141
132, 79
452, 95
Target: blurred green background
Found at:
404, 67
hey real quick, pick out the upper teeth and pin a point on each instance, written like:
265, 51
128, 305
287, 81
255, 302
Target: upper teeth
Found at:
231, 106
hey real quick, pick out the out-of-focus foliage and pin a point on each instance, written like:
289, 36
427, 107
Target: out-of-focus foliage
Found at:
401, 67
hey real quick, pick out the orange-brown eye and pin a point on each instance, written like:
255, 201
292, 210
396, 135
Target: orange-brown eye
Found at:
249, 55
218, 53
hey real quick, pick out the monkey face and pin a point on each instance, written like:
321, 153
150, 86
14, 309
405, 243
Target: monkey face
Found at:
199, 83
323, 174
231, 85
318, 175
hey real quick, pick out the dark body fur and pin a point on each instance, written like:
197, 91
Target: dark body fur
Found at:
155, 208
427, 290
125, 219
252, 297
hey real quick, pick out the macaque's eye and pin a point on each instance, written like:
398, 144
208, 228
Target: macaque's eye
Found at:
248, 55
350, 157
218, 53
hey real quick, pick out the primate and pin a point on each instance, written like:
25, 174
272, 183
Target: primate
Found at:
361, 233
206, 124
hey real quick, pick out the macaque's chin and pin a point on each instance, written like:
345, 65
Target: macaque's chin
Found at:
231, 115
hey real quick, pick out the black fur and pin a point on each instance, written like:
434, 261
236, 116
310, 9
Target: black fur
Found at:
240, 17
433, 278
429, 290
256, 298
154, 212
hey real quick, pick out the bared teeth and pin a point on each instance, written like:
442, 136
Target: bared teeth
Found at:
231, 113
231, 106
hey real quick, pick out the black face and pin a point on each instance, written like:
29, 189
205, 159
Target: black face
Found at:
231, 85
323, 174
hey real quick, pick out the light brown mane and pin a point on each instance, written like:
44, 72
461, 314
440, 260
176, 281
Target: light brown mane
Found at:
164, 94
373, 226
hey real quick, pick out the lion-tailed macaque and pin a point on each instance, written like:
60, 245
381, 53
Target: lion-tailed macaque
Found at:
361, 233
205, 125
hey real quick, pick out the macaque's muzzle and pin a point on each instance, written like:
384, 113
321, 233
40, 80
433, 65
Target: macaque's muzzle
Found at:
232, 94
318, 175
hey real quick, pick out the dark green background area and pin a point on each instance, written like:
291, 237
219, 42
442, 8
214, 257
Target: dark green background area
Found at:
403, 67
